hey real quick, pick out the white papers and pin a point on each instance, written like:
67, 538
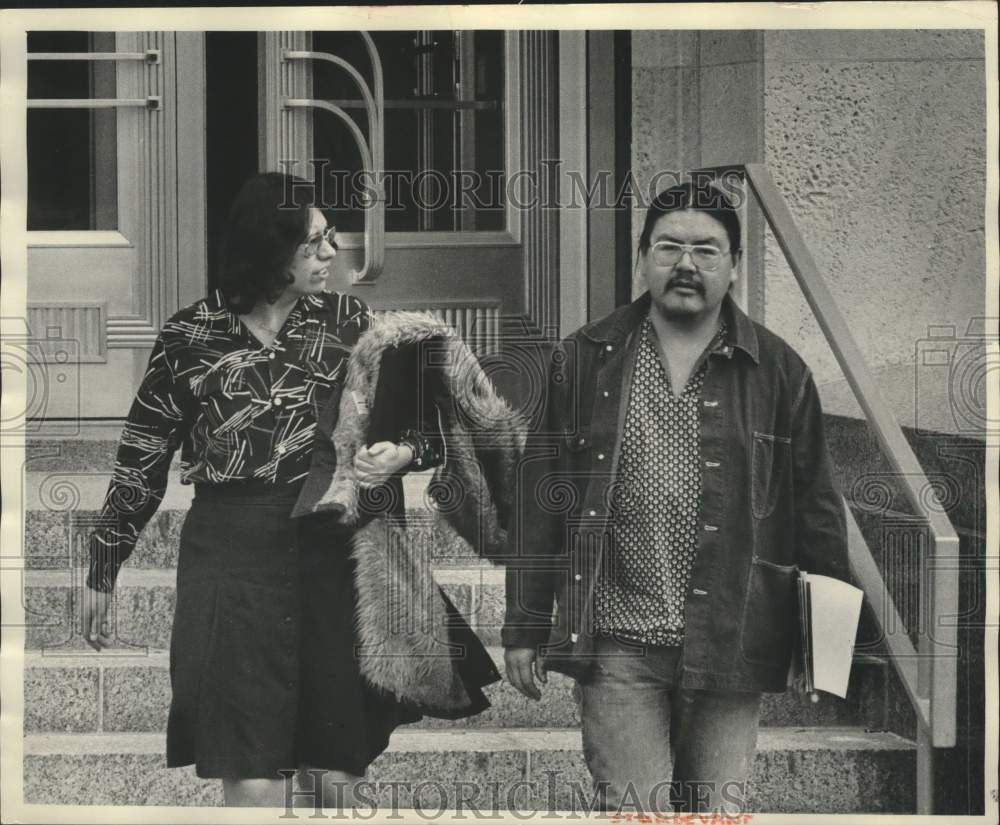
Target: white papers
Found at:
830, 610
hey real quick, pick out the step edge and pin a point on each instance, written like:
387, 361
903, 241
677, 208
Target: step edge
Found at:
146, 577
771, 739
35, 658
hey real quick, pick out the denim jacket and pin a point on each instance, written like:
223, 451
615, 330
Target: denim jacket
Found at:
769, 505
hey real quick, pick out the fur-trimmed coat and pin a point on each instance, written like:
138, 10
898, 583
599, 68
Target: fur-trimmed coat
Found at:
413, 643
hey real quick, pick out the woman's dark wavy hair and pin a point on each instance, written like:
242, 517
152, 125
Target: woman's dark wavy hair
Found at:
268, 220
700, 196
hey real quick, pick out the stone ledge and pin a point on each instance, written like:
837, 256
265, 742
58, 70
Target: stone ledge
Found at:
434, 741
135, 695
795, 771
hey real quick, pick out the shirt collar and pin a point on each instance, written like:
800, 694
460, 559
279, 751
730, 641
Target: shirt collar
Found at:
614, 328
306, 303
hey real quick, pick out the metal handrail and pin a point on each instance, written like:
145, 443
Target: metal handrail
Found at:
151, 102
900, 647
148, 56
373, 158
931, 684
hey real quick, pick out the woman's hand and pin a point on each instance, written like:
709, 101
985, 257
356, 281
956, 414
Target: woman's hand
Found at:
95, 618
377, 463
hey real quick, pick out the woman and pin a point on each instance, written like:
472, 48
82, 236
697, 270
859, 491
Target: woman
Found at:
261, 659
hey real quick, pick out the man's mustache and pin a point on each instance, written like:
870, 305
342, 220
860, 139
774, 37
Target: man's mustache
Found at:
685, 282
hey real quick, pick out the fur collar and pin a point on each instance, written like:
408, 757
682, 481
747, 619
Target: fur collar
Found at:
483, 436
402, 624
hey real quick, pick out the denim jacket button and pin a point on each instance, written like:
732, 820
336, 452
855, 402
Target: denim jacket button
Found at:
592, 512
577, 577
573, 637
605, 393
600, 456
609, 348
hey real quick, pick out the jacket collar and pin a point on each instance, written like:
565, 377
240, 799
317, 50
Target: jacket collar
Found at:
616, 327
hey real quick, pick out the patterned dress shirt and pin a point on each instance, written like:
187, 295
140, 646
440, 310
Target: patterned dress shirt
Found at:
640, 595
240, 411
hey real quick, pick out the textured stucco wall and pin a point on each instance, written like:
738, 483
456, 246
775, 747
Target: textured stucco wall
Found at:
665, 114
877, 140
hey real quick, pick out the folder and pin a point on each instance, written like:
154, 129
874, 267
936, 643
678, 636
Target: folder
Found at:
829, 612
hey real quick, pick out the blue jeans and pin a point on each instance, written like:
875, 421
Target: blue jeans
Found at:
653, 746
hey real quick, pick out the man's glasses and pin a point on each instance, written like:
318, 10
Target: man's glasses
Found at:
668, 253
313, 244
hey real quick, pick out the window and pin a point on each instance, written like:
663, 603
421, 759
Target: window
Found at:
444, 128
72, 154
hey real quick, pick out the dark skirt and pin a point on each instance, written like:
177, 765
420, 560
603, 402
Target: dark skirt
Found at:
262, 662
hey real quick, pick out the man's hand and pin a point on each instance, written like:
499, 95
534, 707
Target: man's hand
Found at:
95, 618
522, 665
377, 463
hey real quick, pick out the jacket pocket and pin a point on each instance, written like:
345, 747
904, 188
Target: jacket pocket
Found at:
771, 468
770, 619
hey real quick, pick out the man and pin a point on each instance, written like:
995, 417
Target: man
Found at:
678, 482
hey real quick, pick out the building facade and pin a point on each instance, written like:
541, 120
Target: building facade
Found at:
517, 167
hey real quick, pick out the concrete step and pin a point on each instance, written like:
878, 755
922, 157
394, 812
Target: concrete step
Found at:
61, 509
955, 466
74, 454
116, 692
58, 541
142, 617
59, 489
142, 611
797, 770
860, 465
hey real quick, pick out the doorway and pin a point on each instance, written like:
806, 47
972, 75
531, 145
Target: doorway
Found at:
231, 130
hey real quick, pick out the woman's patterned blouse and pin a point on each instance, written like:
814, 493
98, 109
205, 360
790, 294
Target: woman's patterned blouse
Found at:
240, 411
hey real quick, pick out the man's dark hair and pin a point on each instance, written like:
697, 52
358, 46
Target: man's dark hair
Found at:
700, 196
268, 220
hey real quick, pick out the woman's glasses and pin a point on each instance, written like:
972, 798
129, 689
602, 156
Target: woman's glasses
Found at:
312, 244
668, 253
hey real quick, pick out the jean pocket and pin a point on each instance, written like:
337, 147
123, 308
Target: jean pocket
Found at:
770, 620
771, 459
